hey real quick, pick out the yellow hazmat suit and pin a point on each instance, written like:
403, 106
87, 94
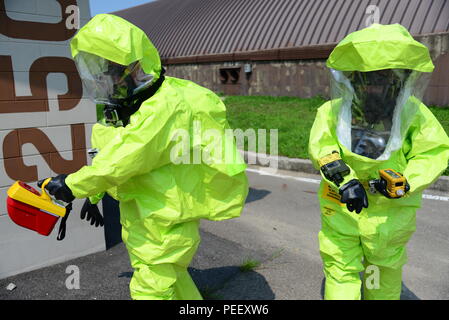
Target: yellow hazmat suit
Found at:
417, 146
161, 200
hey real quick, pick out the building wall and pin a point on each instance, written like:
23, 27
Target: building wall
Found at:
45, 124
277, 78
438, 90
302, 78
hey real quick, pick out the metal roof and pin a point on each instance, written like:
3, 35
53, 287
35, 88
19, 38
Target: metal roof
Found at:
181, 28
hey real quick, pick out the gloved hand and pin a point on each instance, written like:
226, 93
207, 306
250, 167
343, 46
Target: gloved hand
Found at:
93, 213
57, 188
354, 195
381, 187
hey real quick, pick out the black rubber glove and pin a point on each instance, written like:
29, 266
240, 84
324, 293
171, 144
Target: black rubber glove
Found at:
354, 195
57, 188
381, 187
93, 213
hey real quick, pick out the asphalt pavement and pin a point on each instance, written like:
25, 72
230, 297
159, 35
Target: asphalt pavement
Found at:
270, 252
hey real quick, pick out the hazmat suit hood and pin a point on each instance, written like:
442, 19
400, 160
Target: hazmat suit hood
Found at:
115, 39
117, 63
378, 76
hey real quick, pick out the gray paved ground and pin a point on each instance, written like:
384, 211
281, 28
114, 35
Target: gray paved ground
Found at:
278, 229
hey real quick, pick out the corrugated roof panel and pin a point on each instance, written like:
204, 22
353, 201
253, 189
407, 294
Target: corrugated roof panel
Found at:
440, 23
291, 24
192, 20
190, 42
227, 44
402, 14
417, 21
427, 15
360, 16
169, 33
316, 34
390, 11
246, 32
333, 29
432, 17
300, 24
256, 20
409, 14
273, 41
274, 23
216, 27
443, 22
240, 36
200, 27
344, 23
261, 30
311, 23
195, 42
154, 24
212, 15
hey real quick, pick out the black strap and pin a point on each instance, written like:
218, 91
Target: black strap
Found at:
134, 103
62, 225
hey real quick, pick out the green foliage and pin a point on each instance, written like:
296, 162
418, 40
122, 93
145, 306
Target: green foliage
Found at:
293, 117
249, 265
442, 114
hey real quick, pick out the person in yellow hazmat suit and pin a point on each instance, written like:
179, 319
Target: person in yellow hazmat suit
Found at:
162, 187
375, 121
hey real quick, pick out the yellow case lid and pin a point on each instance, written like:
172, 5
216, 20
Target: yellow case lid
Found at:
42, 202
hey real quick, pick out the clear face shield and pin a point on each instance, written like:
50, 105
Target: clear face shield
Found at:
376, 108
108, 83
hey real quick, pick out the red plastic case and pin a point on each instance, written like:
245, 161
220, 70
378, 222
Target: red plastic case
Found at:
30, 217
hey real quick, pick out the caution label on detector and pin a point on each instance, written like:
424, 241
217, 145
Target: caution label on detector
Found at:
331, 195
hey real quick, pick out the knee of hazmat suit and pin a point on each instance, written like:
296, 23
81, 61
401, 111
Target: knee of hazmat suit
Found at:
375, 121
165, 152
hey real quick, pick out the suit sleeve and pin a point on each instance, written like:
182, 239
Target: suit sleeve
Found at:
429, 153
323, 141
137, 149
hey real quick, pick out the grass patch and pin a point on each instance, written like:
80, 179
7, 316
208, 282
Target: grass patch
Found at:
293, 117
442, 114
249, 265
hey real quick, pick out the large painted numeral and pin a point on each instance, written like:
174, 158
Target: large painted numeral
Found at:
16, 168
38, 101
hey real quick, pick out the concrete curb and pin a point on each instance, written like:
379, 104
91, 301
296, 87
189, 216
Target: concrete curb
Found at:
305, 166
